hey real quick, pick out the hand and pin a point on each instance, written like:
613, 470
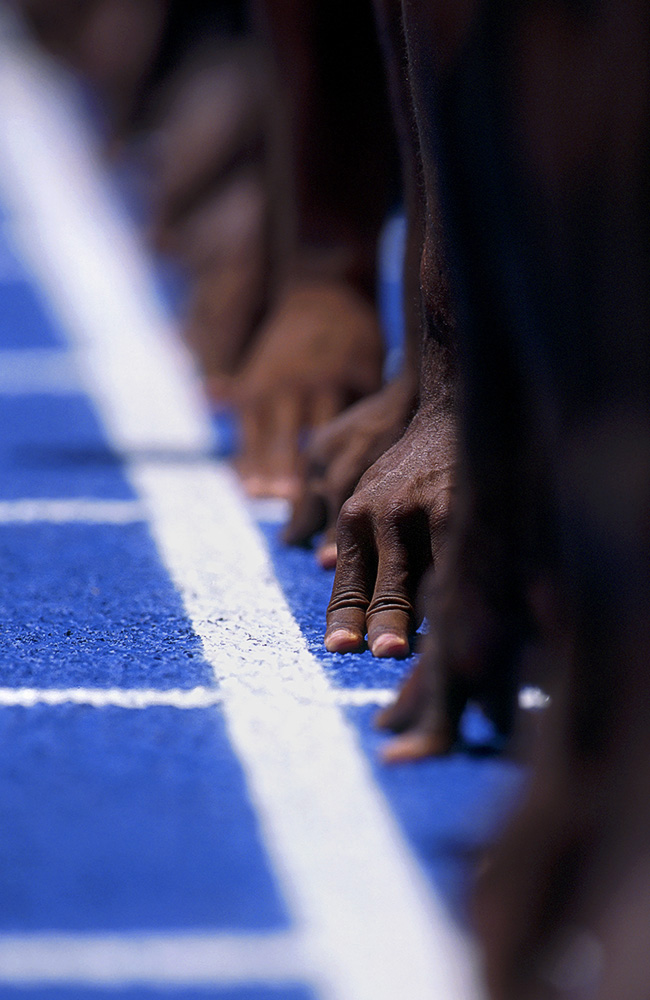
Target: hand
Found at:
320, 351
478, 629
389, 533
426, 714
337, 456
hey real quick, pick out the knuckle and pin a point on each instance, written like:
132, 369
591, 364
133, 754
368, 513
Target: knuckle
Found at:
397, 511
353, 514
391, 602
347, 598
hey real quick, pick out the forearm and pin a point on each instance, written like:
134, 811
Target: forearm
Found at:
334, 150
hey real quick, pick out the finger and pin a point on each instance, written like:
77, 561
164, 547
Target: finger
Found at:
439, 525
324, 406
253, 439
391, 614
326, 552
415, 716
281, 460
406, 708
337, 488
307, 517
416, 744
219, 389
353, 582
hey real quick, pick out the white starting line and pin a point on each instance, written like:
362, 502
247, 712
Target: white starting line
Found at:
152, 959
140, 698
38, 370
70, 511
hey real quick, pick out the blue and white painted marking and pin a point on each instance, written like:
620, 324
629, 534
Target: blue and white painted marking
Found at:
248, 846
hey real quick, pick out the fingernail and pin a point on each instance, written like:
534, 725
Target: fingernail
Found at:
389, 644
410, 746
343, 640
285, 487
254, 486
414, 745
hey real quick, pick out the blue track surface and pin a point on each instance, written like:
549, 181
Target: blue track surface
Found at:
90, 605
119, 820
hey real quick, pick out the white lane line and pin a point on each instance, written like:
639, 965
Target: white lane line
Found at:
82, 510
163, 959
373, 929
269, 509
110, 511
533, 699
362, 697
530, 699
38, 370
140, 698
199, 697
118, 322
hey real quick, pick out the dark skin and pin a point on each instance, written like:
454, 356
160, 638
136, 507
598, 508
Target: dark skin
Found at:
548, 547
284, 390
393, 528
211, 125
113, 43
338, 455
331, 167
268, 183
227, 252
211, 202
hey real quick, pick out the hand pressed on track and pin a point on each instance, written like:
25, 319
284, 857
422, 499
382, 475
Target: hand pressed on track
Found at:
389, 533
336, 457
320, 351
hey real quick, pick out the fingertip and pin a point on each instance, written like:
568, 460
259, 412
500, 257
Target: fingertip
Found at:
390, 644
411, 746
384, 717
326, 555
254, 486
307, 517
284, 487
343, 640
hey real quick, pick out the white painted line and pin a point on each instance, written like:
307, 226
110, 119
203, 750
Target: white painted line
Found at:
372, 928
199, 697
375, 928
530, 699
47, 152
271, 510
362, 697
81, 510
533, 699
140, 698
153, 959
38, 370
